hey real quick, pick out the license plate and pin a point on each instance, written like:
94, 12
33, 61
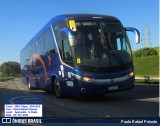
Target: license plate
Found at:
69, 83
113, 88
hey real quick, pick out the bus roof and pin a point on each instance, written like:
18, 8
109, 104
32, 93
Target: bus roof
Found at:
84, 17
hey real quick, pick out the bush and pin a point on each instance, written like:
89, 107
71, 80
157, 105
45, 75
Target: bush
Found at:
145, 52
10, 69
5, 78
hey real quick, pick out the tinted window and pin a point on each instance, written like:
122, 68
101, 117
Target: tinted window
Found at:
56, 27
48, 44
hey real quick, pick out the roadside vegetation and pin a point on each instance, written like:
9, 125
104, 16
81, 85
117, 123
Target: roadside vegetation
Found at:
6, 78
153, 81
146, 64
9, 70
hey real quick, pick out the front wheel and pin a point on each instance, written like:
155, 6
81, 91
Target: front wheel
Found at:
57, 89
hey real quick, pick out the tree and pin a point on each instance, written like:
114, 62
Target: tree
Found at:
10, 69
145, 52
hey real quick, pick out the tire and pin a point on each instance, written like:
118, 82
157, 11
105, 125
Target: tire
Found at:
57, 89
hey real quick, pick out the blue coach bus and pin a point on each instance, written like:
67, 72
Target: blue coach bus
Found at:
79, 54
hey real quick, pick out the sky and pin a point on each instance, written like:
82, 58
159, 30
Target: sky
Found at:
20, 20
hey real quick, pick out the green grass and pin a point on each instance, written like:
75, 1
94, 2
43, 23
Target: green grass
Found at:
148, 81
146, 66
5, 78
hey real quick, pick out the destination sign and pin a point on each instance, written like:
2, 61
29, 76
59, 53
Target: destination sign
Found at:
86, 23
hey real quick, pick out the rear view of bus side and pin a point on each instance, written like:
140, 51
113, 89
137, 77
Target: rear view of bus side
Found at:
79, 54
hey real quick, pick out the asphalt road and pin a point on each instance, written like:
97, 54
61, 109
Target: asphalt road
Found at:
142, 101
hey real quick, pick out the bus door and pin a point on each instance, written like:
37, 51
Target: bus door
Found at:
67, 55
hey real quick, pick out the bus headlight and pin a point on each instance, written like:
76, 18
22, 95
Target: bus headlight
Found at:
83, 78
87, 79
131, 74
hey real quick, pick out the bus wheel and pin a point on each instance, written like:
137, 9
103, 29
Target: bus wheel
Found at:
57, 89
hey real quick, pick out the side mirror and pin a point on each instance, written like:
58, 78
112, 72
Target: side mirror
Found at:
136, 32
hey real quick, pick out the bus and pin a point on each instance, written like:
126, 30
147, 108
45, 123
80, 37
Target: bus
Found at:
79, 55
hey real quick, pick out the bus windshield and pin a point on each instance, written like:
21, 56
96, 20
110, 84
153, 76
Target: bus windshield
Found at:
101, 44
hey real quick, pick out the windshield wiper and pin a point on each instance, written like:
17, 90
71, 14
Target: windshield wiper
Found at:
100, 58
118, 57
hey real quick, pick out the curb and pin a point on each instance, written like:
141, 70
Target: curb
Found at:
147, 78
142, 84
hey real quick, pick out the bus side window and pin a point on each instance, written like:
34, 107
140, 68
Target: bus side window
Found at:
48, 43
118, 44
39, 45
121, 44
56, 27
66, 50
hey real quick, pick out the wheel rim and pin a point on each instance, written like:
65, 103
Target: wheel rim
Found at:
57, 88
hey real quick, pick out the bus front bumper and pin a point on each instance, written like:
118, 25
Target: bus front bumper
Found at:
103, 87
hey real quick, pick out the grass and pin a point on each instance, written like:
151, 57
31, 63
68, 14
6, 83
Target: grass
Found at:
5, 78
148, 81
146, 66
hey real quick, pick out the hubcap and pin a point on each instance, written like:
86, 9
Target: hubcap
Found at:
57, 87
